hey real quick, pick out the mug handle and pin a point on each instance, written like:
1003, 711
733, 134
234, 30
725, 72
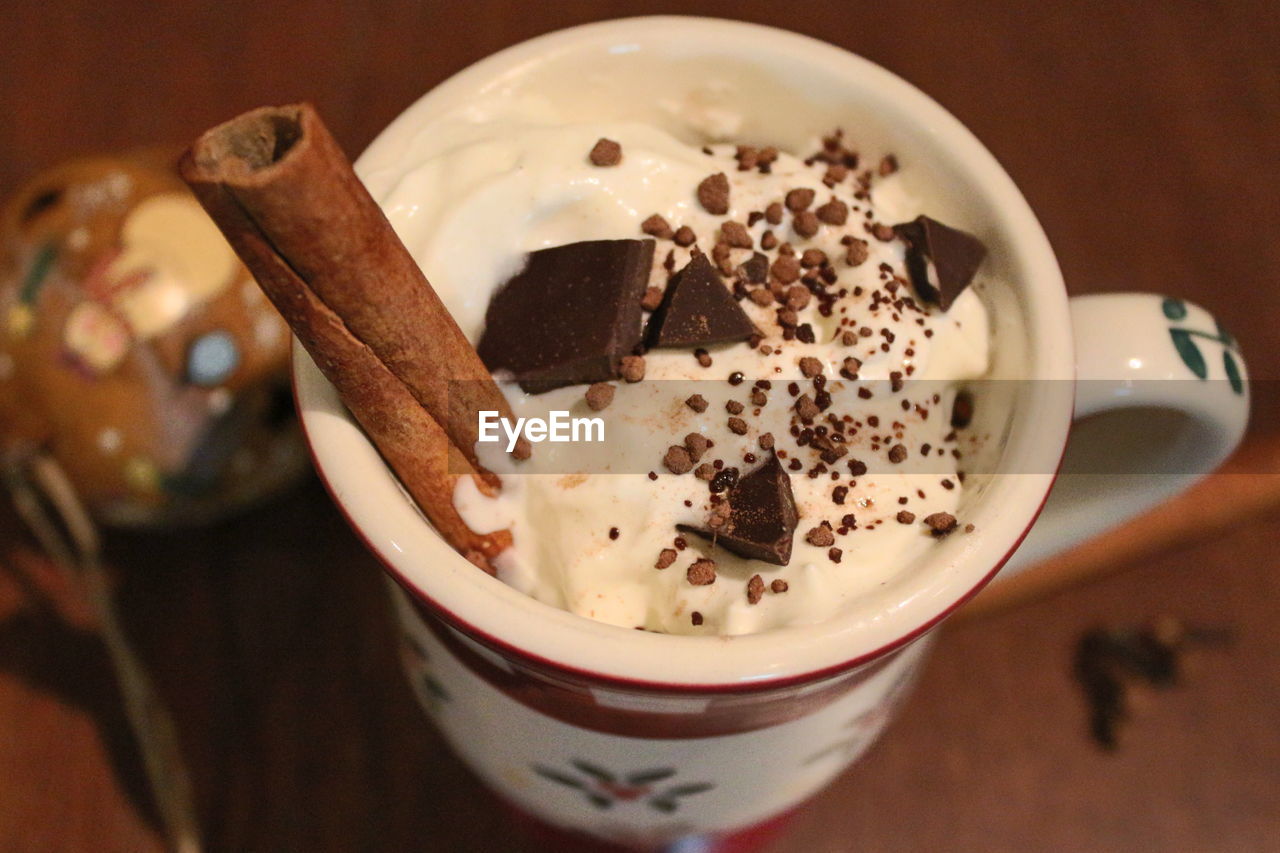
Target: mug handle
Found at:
1162, 398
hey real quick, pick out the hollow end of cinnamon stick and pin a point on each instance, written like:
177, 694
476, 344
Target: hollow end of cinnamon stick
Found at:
257, 140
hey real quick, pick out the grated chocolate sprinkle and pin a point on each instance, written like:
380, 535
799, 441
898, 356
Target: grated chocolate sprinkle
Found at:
820, 536
677, 460
940, 523
736, 235
834, 212
810, 367
599, 396
799, 199
805, 223
605, 152
713, 194
656, 226
697, 444
652, 298
632, 368
701, 572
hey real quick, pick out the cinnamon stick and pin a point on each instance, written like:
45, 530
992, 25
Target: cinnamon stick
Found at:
289, 203
297, 190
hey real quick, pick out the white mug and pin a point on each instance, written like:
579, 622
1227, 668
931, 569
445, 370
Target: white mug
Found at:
646, 739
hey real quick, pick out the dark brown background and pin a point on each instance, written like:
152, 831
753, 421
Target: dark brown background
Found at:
1146, 137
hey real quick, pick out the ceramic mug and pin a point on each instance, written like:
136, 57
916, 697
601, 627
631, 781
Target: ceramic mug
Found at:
645, 739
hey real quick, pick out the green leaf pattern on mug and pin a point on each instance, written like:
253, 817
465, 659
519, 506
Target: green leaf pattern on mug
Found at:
1184, 341
431, 692
1190, 353
605, 789
1233, 372
1174, 309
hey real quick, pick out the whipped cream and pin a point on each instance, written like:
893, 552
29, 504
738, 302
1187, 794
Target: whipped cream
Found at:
588, 542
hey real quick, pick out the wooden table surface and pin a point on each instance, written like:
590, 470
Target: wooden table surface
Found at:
1146, 137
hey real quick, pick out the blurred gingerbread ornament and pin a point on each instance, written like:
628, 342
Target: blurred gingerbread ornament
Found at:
136, 350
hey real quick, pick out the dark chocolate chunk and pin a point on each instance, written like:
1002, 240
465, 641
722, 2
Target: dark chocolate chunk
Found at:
762, 516
570, 315
755, 270
697, 309
941, 260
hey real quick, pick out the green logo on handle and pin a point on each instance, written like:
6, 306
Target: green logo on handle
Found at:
1184, 342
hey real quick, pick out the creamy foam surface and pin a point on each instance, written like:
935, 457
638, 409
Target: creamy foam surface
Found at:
470, 213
